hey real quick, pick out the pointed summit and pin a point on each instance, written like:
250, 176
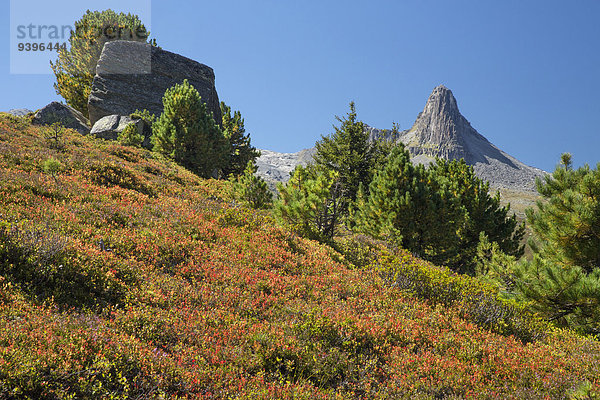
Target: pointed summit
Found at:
442, 100
441, 131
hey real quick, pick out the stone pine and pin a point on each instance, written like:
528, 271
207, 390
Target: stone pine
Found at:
187, 132
563, 279
241, 152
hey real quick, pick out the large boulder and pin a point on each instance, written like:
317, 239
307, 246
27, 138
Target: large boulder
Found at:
67, 116
134, 76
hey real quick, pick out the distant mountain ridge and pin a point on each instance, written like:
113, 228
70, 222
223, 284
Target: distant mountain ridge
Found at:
440, 130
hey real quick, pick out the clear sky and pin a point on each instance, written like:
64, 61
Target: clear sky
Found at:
526, 74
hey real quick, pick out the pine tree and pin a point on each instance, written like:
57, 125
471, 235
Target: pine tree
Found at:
131, 136
568, 223
252, 190
75, 67
482, 214
405, 208
311, 202
563, 280
350, 153
495, 267
240, 150
565, 295
187, 132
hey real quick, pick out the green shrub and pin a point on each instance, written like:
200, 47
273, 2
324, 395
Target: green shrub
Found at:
240, 217
144, 115
311, 203
252, 190
112, 174
43, 265
477, 301
52, 167
325, 353
148, 120
130, 136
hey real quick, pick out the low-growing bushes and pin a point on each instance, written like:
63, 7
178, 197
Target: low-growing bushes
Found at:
476, 301
189, 295
47, 267
113, 174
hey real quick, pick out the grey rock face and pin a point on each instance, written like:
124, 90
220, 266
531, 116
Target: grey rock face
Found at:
19, 112
441, 131
64, 114
132, 75
385, 134
276, 167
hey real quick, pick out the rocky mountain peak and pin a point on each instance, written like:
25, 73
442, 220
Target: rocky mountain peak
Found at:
442, 102
440, 129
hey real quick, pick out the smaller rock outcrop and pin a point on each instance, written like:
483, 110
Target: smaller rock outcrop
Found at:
110, 126
19, 112
134, 76
67, 116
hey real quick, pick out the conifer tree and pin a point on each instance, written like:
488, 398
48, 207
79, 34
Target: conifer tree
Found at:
349, 152
311, 202
563, 280
187, 132
75, 67
252, 189
437, 212
568, 223
130, 136
482, 214
240, 150
405, 208
495, 267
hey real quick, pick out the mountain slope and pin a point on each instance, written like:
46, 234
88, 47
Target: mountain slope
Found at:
123, 275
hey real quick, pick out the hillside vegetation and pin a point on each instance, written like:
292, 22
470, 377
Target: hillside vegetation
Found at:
123, 275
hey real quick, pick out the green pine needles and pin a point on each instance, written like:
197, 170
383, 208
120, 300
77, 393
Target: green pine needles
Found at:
562, 282
252, 190
311, 203
352, 155
437, 212
241, 152
187, 133
131, 136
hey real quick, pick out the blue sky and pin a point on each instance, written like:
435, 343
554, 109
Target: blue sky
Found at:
525, 73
